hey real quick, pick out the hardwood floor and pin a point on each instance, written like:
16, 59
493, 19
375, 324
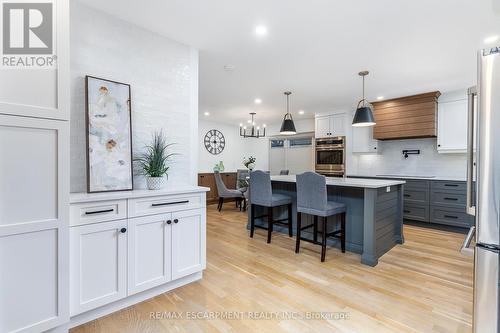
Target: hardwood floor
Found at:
424, 285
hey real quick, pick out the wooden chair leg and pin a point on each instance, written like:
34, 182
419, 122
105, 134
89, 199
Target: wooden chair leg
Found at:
269, 223
297, 235
323, 240
252, 219
315, 229
342, 233
290, 231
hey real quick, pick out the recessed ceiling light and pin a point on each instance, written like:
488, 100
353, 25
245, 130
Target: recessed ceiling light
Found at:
380, 98
491, 39
301, 112
206, 113
257, 101
260, 30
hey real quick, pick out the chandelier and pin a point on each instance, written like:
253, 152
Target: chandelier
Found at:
253, 131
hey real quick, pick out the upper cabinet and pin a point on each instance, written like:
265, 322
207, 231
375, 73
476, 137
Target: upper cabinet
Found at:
406, 117
452, 126
331, 125
363, 141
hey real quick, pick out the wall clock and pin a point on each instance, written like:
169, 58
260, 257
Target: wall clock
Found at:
215, 142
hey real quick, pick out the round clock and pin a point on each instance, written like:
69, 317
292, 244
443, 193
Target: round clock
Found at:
215, 142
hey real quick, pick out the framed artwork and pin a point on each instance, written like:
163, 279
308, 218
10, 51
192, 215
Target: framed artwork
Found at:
109, 135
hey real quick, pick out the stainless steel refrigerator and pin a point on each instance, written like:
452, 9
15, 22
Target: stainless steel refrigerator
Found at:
483, 188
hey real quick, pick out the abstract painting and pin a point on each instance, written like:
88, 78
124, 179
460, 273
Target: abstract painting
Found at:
109, 135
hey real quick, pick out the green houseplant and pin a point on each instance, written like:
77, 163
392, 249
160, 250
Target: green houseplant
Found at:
153, 162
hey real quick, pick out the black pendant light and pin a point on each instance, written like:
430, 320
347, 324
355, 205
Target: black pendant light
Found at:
288, 127
364, 112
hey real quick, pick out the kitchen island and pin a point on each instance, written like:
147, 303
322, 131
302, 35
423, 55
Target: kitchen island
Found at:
374, 217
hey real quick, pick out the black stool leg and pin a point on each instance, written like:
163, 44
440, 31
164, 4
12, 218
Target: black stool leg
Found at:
297, 241
290, 232
252, 219
221, 201
323, 240
269, 223
342, 233
315, 229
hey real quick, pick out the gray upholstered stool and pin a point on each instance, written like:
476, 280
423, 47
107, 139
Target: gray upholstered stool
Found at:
312, 200
261, 194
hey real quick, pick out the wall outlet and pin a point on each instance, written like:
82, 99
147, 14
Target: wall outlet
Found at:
388, 189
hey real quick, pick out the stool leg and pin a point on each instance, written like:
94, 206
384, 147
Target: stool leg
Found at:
252, 219
323, 240
269, 223
315, 229
297, 241
342, 228
290, 232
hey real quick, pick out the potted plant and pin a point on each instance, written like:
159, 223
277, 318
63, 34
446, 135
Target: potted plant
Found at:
249, 163
153, 162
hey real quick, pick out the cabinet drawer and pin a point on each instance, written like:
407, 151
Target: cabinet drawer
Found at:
162, 204
412, 184
100, 211
448, 185
416, 212
420, 196
449, 199
450, 216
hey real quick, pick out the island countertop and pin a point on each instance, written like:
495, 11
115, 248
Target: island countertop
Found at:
347, 182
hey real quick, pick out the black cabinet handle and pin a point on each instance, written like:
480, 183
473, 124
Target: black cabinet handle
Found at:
123, 230
451, 185
451, 199
169, 203
176, 221
406, 211
439, 145
451, 216
99, 211
407, 195
169, 221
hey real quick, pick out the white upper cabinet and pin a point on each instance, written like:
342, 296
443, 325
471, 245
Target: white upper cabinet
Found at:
452, 126
363, 141
331, 125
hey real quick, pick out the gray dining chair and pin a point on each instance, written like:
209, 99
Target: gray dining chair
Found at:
284, 172
225, 193
261, 194
242, 185
312, 200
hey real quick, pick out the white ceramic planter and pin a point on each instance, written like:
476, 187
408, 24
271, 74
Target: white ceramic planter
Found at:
155, 183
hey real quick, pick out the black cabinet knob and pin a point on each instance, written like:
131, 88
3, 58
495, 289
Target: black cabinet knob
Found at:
439, 145
169, 222
123, 230
176, 221
374, 147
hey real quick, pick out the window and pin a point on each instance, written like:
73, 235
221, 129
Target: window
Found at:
302, 142
277, 143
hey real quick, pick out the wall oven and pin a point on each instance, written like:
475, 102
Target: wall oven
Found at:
330, 156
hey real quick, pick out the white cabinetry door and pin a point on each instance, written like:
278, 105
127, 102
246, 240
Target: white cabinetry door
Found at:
98, 265
338, 124
188, 243
322, 128
452, 126
362, 140
149, 252
34, 189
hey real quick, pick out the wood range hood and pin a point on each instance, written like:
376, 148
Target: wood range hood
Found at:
409, 117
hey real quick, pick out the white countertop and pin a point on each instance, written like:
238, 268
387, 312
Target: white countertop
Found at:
347, 182
416, 177
88, 197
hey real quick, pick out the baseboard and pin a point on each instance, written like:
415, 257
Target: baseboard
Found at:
131, 300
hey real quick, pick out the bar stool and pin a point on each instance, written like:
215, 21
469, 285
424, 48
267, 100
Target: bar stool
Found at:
261, 194
312, 200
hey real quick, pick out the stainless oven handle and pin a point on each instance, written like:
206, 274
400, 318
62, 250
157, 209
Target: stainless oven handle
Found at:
471, 93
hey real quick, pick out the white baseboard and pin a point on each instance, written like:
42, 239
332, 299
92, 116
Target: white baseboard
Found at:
85, 317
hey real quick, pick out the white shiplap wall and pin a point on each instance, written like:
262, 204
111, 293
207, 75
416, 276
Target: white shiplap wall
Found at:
163, 75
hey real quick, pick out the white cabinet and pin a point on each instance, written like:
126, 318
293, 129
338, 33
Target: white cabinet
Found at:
188, 250
452, 126
98, 264
331, 125
149, 252
363, 141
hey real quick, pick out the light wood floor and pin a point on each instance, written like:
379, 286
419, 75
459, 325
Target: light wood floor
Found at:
424, 285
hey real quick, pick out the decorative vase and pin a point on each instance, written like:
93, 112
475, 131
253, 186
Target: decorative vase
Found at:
221, 166
155, 183
251, 166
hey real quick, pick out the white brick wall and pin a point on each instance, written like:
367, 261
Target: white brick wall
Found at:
163, 75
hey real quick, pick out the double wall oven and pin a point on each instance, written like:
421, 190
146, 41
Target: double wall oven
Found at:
330, 156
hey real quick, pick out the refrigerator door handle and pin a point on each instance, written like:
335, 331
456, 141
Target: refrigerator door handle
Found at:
471, 93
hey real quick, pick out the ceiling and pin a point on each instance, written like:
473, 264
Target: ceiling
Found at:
315, 48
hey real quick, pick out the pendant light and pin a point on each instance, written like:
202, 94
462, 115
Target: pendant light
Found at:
364, 113
288, 127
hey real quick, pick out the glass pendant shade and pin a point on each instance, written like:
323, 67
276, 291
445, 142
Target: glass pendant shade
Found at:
287, 126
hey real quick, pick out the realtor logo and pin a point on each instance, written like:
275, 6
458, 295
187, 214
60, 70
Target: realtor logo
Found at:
27, 34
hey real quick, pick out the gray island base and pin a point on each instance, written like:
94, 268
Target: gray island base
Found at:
374, 218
